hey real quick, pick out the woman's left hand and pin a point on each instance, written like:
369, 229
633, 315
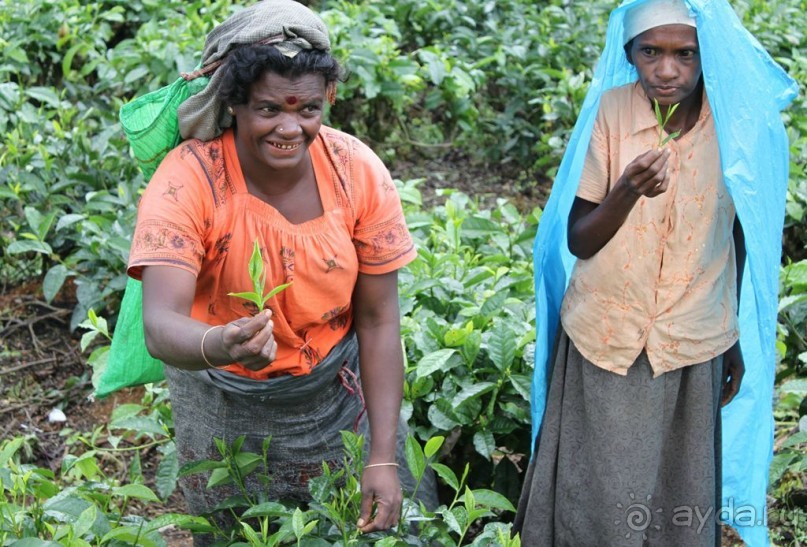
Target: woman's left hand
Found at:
733, 371
380, 491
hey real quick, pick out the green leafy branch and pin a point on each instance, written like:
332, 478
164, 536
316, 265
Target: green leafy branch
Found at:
662, 121
258, 276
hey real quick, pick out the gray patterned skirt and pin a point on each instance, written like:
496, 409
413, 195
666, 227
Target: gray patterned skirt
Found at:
303, 415
625, 460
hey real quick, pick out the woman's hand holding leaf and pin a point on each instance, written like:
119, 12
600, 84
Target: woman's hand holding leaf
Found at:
647, 175
248, 341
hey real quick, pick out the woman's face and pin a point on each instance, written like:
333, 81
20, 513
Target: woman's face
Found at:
280, 120
668, 61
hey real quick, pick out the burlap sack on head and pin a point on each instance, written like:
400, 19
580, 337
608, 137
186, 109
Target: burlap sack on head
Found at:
288, 25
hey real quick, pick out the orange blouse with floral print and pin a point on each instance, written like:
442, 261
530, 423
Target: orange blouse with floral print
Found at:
666, 281
196, 214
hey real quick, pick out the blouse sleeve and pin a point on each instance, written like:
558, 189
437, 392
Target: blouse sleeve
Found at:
594, 183
171, 216
382, 240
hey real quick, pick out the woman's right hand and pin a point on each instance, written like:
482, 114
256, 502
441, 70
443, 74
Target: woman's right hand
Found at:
592, 225
381, 499
173, 337
647, 175
249, 341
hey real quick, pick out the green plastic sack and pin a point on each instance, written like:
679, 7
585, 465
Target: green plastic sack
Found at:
151, 125
128, 362
150, 121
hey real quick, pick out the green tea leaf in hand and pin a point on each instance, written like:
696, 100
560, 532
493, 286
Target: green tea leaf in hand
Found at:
258, 277
662, 122
256, 270
274, 291
250, 296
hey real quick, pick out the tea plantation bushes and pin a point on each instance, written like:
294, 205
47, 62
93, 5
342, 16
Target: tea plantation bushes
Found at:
469, 316
498, 83
68, 186
501, 78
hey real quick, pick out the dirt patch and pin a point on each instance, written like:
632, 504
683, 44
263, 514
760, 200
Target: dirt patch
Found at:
485, 183
42, 370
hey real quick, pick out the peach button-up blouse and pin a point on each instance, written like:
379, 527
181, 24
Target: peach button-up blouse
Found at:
666, 282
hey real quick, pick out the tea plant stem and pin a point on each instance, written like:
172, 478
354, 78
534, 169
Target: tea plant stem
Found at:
402, 520
123, 511
235, 472
492, 402
139, 530
795, 330
26, 365
264, 528
126, 448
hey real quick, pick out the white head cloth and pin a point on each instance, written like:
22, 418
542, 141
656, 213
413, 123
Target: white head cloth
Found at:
655, 13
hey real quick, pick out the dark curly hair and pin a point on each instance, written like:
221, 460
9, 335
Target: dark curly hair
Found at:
627, 47
246, 65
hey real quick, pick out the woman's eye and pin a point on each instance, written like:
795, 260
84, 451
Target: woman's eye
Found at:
649, 51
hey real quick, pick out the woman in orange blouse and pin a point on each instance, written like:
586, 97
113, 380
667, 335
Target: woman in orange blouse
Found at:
258, 165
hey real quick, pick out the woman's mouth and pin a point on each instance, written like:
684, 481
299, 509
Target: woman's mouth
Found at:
666, 90
285, 146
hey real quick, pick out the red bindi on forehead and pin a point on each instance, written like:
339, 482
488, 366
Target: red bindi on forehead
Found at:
291, 99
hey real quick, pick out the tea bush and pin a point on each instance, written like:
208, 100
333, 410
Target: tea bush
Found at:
83, 506
468, 325
497, 83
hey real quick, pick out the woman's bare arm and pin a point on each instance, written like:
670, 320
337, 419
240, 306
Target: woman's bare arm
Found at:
592, 225
173, 337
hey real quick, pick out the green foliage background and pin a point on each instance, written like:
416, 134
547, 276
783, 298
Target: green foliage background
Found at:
493, 85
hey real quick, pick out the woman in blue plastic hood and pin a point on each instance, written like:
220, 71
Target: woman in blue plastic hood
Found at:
639, 260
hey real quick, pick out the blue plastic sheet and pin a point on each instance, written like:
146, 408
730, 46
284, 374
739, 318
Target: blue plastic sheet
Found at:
746, 91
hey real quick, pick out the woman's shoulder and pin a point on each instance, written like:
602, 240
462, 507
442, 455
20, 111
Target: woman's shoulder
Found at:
618, 97
346, 147
192, 155
205, 154
358, 168
331, 134
193, 162
617, 107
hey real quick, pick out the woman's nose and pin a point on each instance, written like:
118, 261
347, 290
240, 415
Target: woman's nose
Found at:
667, 68
289, 126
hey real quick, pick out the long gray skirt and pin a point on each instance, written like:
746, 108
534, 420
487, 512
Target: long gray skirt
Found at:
625, 460
304, 417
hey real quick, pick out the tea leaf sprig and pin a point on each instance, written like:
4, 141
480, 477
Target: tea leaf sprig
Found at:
258, 277
662, 121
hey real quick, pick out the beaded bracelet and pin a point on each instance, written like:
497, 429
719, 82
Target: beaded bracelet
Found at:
204, 336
